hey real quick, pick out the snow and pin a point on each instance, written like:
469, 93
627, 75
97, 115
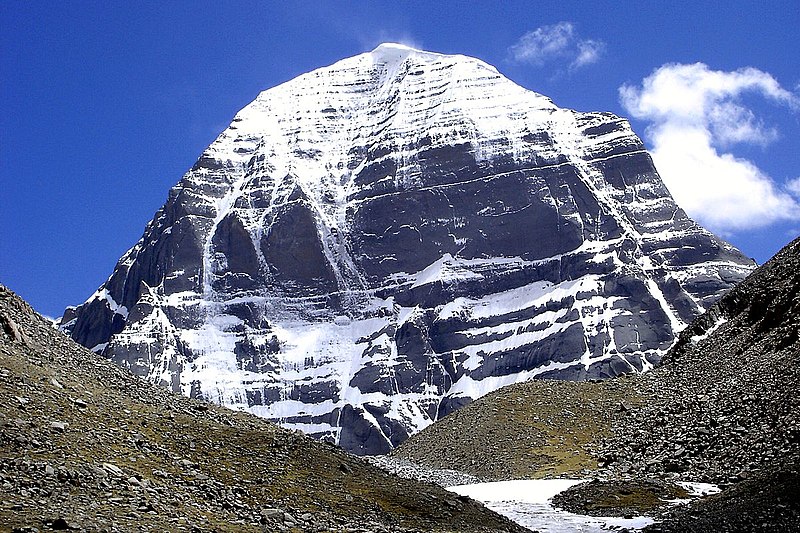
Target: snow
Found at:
499, 303
445, 269
468, 387
519, 338
718, 324
675, 322
102, 294
697, 490
527, 502
392, 54
98, 348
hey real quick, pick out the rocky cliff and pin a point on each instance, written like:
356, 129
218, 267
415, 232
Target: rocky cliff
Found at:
378, 242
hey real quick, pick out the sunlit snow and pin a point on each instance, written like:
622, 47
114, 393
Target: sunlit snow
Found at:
527, 503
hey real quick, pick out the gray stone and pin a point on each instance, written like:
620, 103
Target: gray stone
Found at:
272, 513
80, 403
112, 469
59, 426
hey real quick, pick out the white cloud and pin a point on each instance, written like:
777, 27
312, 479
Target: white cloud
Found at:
793, 186
696, 117
556, 42
589, 51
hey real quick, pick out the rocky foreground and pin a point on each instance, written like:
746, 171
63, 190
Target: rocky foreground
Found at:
724, 407
85, 445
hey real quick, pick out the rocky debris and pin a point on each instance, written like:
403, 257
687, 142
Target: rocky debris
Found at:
767, 502
138, 458
410, 470
426, 218
10, 329
626, 498
725, 403
59, 426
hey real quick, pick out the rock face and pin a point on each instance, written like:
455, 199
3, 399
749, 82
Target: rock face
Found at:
378, 242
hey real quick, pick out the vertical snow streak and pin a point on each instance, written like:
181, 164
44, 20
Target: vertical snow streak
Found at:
568, 134
222, 207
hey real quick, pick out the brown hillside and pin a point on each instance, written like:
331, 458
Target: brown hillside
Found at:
84, 445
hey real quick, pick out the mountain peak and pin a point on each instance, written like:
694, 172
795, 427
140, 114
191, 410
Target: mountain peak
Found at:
392, 55
394, 47
396, 53
378, 242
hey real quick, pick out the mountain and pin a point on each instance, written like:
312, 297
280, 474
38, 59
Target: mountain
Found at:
376, 243
723, 407
85, 445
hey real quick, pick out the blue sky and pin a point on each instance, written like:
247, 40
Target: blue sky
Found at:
104, 107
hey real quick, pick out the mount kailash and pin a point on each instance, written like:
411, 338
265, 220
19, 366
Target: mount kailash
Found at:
376, 243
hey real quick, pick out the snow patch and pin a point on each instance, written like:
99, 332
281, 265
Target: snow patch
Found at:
527, 502
102, 294
718, 324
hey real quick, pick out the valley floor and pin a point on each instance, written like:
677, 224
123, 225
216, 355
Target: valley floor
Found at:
560, 505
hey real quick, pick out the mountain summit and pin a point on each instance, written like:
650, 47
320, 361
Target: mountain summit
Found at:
378, 242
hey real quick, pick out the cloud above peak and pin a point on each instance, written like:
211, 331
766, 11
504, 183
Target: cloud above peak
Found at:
696, 118
556, 42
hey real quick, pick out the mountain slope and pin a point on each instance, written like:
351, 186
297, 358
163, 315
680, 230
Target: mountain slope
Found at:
726, 400
723, 407
378, 242
86, 445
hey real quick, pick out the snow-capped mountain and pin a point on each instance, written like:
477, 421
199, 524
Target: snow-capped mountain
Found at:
378, 242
